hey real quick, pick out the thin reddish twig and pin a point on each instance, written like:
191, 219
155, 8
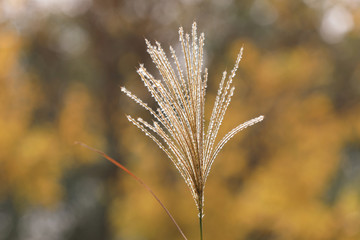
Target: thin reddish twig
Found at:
137, 179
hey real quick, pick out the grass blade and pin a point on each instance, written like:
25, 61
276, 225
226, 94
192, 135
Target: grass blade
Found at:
137, 179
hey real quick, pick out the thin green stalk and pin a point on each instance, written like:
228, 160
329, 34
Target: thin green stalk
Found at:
201, 225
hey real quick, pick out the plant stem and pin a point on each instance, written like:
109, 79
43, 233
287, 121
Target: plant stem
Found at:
201, 225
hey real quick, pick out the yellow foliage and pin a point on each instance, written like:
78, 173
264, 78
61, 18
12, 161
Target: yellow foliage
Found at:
293, 177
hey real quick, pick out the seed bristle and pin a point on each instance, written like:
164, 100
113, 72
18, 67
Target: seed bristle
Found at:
179, 129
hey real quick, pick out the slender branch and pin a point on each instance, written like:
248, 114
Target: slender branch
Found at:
137, 179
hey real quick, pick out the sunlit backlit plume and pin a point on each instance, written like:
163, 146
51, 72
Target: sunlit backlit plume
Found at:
179, 127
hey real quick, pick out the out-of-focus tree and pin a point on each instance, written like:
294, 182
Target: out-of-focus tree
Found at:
294, 176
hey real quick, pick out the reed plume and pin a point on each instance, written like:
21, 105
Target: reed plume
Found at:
179, 127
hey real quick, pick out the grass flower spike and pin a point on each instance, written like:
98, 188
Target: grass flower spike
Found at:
179, 127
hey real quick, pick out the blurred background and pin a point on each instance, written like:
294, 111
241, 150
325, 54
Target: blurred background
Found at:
294, 176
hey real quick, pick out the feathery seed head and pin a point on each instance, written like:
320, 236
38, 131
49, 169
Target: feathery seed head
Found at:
179, 124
